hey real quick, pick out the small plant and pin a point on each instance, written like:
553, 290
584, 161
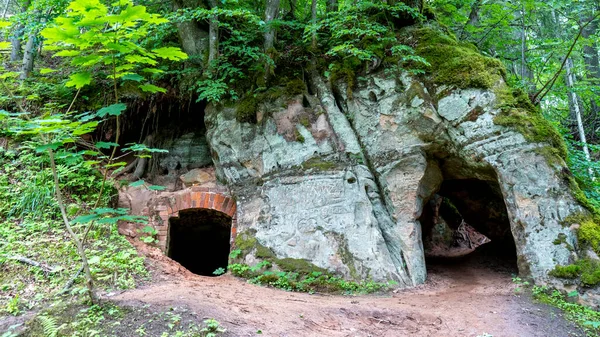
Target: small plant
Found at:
235, 253
213, 328
12, 307
219, 271
519, 282
49, 325
150, 235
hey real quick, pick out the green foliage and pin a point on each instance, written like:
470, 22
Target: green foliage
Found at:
587, 270
95, 36
585, 317
366, 32
568, 272
304, 280
212, 328
456, 63
49, 325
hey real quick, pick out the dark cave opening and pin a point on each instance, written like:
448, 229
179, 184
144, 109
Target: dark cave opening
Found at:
199, 240
466, 221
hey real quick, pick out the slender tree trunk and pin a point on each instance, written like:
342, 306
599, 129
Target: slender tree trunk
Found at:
28, 56
270, 14
15, 52
592, 64
313, 11
6, 9
271, 10
473, 18
15, 41
213, 38
577, 111
74, 237
194, 40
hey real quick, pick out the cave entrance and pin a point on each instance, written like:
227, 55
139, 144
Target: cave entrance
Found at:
466, 224
199, 239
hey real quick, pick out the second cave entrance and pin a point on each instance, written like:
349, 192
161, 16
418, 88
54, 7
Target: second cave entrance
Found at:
466, 222
199, 239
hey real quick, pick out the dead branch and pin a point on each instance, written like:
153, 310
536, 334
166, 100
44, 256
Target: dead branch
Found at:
43, 266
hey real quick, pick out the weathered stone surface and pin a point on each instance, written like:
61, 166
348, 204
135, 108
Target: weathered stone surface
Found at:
326, 219
200, 177
342, 182
462, 137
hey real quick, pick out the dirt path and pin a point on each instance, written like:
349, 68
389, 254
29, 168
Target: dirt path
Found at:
469, 298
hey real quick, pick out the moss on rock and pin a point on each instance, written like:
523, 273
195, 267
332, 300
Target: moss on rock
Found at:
518, 112
587, 270
456, 63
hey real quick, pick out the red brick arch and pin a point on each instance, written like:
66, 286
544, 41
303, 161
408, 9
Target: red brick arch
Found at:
217, 199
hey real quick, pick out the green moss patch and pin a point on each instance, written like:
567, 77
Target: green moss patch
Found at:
517, 112
567, 272
587, 270
456, 63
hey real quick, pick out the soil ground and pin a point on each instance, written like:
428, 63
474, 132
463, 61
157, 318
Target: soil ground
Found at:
468, 297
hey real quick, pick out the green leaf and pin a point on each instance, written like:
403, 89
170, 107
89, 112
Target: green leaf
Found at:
79, 80
112, 110
46, 147
137, 183
157, 188
152, 88
105, 145
94, 259
85, 218
46, 71
4, 45
119, 164
67, 53
133, 77
170, 53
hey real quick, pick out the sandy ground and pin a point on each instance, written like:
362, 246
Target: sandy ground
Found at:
469, 297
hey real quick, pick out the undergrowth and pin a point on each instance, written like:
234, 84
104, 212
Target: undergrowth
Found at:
304, 281
30, 228
587, 318
109, 319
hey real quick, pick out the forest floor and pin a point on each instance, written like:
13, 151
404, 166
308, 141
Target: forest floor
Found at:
469, 297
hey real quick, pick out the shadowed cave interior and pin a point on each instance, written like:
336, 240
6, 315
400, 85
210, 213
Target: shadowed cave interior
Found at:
466, 222
199, 240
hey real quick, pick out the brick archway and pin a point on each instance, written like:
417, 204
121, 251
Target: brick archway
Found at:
215, 198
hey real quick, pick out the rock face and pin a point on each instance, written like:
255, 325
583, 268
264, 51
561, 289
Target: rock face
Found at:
342, 178
351, 199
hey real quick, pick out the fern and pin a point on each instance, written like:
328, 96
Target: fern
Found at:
49, 325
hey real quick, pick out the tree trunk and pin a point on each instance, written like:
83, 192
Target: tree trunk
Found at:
473, 18
6, 9
15, 52
577, 110
194, 40
270, 14
78, 243
213, 38
15, 41
271, 10
592, 64
28, 56
313, 11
